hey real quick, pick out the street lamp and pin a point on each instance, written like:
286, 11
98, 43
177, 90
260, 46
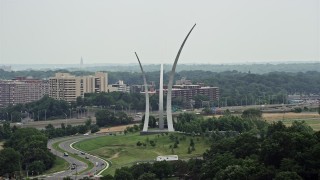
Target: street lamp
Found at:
66, 118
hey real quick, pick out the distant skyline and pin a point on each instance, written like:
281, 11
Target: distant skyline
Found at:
109, 32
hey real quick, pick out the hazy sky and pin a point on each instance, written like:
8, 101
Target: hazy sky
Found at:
109, 31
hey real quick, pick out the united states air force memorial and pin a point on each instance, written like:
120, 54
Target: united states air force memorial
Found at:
169, 96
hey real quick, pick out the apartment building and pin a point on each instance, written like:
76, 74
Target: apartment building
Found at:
22, 90
185, 89
65, 86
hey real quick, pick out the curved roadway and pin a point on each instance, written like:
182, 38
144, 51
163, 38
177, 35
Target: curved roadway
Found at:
80, 169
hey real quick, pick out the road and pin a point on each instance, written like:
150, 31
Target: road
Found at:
66, 145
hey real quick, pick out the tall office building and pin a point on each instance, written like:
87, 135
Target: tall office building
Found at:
65, 86
22, 90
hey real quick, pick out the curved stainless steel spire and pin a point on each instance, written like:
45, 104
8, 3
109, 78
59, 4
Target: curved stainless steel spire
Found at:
169, 113
146, 115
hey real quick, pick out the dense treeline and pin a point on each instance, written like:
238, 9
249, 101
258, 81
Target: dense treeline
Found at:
260, 151
116, 100
246, 88
45, 108
107, 118
190, 123
51, 132
25, 149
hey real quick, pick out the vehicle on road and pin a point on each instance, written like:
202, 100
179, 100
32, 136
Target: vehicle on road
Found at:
87, 157
65, 154
83, 153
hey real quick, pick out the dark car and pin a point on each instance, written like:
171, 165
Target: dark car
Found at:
83, 153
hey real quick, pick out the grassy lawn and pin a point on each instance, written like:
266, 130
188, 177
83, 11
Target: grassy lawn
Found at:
312, 119
90, 165
313, 123
59, 165
122, 150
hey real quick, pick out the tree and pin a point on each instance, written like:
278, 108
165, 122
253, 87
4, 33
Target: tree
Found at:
107, 177
235, 172
139, 169
191, 143
5, 131
287, 175
105, 118
9, 161
88, 122
147, 176
252, 113
123, 174
94, 128
162, 169
32, 145
207, 111
37, 167
139, 143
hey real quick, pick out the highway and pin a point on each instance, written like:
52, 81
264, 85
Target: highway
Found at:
80, 169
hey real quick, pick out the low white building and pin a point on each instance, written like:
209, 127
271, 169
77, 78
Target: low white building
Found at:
120, 86
167, 158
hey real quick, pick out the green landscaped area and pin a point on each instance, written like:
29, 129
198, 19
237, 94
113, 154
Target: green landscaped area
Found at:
311, 118
59, 165
313, 123
122, 150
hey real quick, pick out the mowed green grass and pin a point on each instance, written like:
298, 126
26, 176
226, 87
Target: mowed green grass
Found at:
313, 123
59, 165
122, 150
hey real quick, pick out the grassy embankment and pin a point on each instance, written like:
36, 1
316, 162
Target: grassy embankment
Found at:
89, 164
59, 165
311, 118
122, 150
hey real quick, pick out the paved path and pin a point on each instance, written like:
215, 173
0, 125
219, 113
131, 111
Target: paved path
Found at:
66, 145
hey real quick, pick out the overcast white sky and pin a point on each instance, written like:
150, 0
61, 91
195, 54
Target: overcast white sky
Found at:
109, 31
